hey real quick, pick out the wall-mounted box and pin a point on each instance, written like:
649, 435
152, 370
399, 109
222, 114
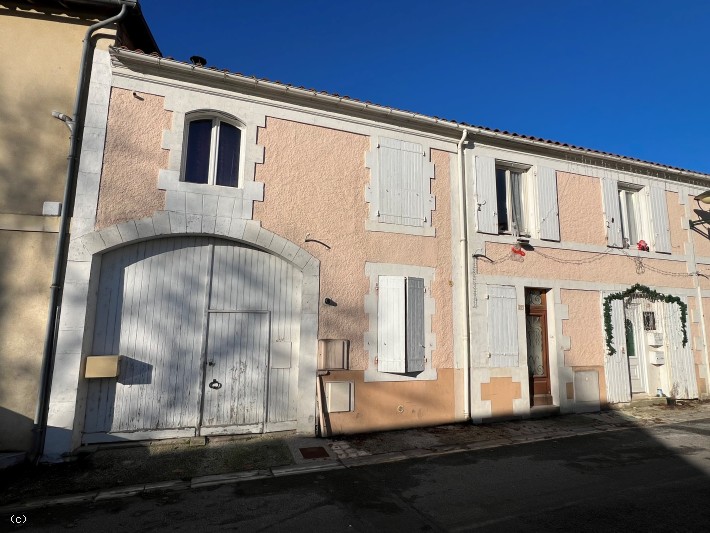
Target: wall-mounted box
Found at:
339, 396
333, 354
657, 357
654, 338
102, 366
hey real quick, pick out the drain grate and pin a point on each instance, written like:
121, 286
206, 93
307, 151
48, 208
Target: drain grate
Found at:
317, 452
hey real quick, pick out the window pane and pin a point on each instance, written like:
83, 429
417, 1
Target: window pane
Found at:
516, 194
197, 162
501, 193
228, 155
631, 211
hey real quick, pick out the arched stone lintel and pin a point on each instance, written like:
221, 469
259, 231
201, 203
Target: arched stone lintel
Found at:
166, 223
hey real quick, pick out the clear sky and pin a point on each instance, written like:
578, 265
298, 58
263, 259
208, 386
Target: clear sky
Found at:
630, 77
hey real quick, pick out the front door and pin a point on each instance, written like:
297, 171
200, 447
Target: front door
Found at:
538, 359
635, 345
236, 373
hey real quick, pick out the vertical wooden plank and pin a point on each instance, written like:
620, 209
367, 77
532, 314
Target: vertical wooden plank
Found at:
659, 220
617, 365
548, 209
415, 348
612, 212
486, 200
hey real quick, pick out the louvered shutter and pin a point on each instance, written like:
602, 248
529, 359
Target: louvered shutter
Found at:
610, 196
502, 326
486, 200
401, 183
548, 209
659, 220
415, 324
391, 324
617, 365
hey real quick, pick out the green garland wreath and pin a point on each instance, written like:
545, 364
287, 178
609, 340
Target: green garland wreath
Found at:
651, 295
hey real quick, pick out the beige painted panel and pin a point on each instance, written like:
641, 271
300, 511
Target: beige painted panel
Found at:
39, 65
132, 158
581, 210
25, 274
320, 175
584, 327
394, 405
606, 269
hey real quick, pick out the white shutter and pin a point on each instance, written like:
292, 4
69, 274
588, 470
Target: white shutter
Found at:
401, 183
617, 366
659, 220
486, 199
610, 195
502, 326
391, 324
413, 186
415, 325
548, 209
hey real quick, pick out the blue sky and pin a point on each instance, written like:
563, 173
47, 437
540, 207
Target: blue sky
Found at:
622, 76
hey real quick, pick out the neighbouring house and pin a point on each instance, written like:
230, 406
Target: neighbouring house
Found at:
255, 257
41, 43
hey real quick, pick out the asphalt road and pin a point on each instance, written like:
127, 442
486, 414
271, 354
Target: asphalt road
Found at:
632, 480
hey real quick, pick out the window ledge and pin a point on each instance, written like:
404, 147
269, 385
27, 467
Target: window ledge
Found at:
372, 374
422, 231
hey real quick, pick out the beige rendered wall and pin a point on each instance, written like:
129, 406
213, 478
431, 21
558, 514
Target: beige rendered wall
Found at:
315, 182
132, 158
25, 273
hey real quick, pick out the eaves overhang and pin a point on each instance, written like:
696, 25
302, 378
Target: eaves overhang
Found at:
265, 88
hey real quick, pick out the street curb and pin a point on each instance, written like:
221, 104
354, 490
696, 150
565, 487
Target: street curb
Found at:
338, 464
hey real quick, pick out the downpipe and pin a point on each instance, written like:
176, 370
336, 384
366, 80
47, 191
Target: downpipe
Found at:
463, 243
76, 128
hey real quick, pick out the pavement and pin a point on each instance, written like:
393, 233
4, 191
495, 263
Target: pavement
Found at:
112, 472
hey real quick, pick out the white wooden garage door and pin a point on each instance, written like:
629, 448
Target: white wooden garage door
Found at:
208, 332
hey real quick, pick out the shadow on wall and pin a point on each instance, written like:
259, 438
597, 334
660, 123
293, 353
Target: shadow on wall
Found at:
16, 434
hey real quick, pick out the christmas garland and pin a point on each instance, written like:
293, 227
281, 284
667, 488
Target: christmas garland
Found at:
651, 295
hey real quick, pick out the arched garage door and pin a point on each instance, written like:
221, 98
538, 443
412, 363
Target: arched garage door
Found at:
208, 331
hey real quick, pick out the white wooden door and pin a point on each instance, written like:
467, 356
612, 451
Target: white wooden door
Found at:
236, 374
636, 349
618, 389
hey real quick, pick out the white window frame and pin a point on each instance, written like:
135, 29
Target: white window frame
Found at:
525, 197
371, 338
633, 195
217, 118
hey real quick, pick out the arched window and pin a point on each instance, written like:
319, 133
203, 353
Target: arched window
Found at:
213, 146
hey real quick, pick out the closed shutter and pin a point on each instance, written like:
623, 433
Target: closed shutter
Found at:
502, 326
401, 183
659, 218
486, 200
548, 209
617, 365
390, 324
610, 195
415, 324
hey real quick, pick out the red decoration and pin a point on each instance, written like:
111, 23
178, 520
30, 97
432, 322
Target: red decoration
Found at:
642, 245
518, 250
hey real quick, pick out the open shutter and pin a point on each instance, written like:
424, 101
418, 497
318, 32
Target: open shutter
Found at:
548, 209
502, 326
390, 324
415, 324
610, 194
486, 200
401, 183
659, 218
617, 365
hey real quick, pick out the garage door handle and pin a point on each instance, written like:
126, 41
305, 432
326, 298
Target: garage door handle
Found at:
214, 384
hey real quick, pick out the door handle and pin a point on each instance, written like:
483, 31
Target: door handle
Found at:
214, 384
211, 363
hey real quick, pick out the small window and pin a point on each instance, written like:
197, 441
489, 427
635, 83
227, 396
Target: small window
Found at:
631, 220
649, 321
212, 152
511, 192
400, 318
